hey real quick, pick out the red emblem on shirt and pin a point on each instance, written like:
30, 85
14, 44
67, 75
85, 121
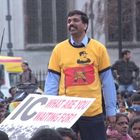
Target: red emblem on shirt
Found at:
76, 76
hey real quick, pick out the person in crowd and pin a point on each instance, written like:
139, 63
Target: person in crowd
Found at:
3, 135
67, 133
27, 76
120, 130
12, 92
46, 134
135, 128
68, 75
133, 111
122, 107
135, 99
125, 71
120, 98
3, 110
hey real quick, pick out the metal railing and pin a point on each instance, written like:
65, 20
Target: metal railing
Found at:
40, 76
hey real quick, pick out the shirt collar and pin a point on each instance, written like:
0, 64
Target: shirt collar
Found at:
84, 41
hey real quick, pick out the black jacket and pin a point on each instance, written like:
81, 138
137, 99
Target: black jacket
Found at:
125, 71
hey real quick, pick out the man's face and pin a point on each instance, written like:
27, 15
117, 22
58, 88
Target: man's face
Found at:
75, 25
128, 56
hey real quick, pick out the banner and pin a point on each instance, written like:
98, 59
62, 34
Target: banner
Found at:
11, 64
42, 111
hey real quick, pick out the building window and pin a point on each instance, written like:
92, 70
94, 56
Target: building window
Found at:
112, 20
130, 20
127, 20
138, 20
45, 22
127, 26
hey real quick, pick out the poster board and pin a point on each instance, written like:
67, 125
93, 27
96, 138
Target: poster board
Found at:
43, 111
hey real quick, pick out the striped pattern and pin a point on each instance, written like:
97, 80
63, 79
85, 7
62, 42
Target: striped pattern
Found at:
12, 64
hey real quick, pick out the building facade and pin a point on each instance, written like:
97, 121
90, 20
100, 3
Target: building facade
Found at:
31, 28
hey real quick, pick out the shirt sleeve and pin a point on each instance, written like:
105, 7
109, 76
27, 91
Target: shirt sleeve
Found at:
51, 83
136, 69
104, 59
109, 92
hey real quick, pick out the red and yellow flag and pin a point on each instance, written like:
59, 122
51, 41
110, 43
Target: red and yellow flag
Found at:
11, 64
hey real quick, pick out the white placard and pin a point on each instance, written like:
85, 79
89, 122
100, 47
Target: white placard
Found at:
42, 111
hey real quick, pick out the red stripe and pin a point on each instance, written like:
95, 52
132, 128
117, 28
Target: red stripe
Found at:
10, 60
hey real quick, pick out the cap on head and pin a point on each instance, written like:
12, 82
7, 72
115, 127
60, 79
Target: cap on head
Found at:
135, 108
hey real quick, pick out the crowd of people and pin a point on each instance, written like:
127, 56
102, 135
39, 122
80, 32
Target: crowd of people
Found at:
26, 78
80, 67
123, 129
126, 72
48, 134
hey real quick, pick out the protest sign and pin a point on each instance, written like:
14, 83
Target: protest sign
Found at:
42, 111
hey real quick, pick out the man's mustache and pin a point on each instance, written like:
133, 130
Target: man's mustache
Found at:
72, 26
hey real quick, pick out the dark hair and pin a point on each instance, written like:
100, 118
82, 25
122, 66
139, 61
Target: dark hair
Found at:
3, 135
67, 132
46, 134
10, 89
118, 115
135, 97
125, 52
25, 63
83, 15
122, 103
133, 121
83, 52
